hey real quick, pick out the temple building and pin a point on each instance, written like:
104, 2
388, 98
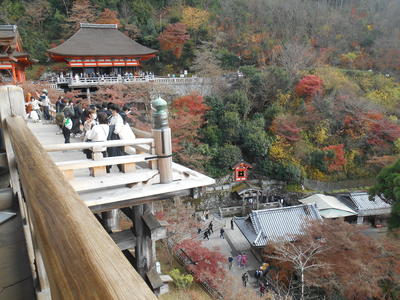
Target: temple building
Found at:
97, 49
13, 59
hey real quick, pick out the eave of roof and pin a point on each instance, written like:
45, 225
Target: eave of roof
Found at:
276, 224
100, 41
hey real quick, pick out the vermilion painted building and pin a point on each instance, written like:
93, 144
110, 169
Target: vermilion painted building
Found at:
101, 48
13, 59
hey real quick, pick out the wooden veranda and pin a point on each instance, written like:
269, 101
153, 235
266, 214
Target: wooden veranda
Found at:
67, 204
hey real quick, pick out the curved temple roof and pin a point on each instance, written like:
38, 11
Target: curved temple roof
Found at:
100, 40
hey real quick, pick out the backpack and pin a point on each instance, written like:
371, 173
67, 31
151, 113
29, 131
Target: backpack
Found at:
60, 119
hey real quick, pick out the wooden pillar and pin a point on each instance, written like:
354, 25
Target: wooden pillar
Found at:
162, 139
111, 219
14, 74
144, 256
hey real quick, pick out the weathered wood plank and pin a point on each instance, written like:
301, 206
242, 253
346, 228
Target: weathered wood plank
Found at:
88, 163
81, 184
82, 261
124, 239
88, 145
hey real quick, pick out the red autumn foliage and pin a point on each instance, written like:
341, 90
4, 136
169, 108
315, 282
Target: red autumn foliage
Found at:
208, 265
187, 116
309, 86
338, 161
286, 127
381, 131
173, 38
354, 263
351, 262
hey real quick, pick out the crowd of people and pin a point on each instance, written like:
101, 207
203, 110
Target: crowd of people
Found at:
97, 75
39, 107
90, 123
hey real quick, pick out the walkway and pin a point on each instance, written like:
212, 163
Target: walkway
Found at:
233, 244
15, 273
116, 190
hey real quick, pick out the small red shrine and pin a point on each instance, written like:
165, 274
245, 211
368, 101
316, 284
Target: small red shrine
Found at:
13, 59
102, 49
240, 172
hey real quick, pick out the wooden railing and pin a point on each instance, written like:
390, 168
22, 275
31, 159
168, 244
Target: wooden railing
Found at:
88, 81
80, 260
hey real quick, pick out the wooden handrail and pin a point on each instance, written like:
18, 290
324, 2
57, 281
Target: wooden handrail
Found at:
81, 260
89, 145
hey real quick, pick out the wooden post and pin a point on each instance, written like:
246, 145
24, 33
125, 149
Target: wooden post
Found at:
81, 260
162, 140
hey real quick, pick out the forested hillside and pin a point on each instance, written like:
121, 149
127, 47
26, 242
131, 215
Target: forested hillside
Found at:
320, 93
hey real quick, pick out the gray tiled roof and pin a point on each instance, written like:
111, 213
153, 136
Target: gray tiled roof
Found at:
367, 207
100, 40
269, 225
8, 31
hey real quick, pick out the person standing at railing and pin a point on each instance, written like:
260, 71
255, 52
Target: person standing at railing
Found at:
116, 124
76, 119
36, 107
59, 104
98, 133
67, 126
45, 103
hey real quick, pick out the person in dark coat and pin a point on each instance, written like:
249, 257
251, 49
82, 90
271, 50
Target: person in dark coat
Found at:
76, 119
232, 227
221, 233
210, 226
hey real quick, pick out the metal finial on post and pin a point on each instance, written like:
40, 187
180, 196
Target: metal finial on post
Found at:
160, 115
162, 139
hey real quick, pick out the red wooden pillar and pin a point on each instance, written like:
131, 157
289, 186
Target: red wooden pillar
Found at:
14, 74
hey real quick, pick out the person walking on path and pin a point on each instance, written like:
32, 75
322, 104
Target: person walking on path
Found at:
232, 228
239, 259
210, 226
244, 260
245, 278
230, 262
205, 236
262, 289
198, 230
67, 126
221, 233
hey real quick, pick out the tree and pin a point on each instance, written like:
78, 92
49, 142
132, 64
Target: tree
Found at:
173, 38
182, 281
338, 160
387, 186
207, 265
187, 116
194, 17
108, 16
294, 57
343, 261
302, 256
205, 63
286, 127
82, 11
309, 86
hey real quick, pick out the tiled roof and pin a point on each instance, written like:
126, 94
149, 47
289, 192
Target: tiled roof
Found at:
100, 40
329, 206
8, 31
369, 207
269, 225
